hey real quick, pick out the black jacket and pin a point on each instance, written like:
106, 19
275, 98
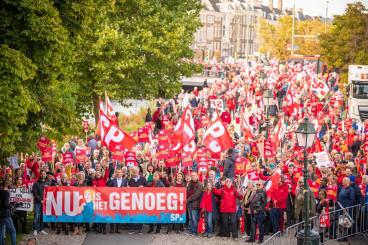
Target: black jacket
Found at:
140, 182
229, 166
258, 202
37, 190
114, 183
4, 204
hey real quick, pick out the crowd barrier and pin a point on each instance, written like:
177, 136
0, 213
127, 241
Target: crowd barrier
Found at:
343, 223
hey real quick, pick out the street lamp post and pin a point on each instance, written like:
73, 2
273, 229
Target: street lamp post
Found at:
268, 100
305, 136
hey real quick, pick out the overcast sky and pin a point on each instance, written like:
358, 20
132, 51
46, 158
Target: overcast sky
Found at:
318, 7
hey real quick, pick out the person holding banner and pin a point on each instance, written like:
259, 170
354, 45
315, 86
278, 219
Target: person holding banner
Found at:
61, 225
120, 180
136, 181
156, 182
20, 216
178, 181
81, 181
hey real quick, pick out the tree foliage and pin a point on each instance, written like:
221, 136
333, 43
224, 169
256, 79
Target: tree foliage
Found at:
58, 56
347, 43
276, 37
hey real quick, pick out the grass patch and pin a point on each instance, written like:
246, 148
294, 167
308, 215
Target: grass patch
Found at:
133, 122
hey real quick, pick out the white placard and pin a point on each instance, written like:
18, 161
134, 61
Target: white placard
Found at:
23, 196
322, 159
217, 104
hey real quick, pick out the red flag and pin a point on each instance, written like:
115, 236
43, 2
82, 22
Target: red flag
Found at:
111, 135
43, 144
216, 138
246, 128
98, 126
279, 132
317, 147
183, 135
273, 181
110, 110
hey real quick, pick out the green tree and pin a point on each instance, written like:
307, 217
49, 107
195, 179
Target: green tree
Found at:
276, 37
58, 56
140, 51
347, 43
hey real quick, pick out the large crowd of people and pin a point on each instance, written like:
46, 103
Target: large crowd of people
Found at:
229, 200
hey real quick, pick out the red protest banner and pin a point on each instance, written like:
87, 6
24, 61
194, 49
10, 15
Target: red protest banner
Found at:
80, 155
268, 149
43, 143
172, 161
68, 157
47, 154
143, 135
163, 151
130, 159
117, 205
163, 144
186, 159
118, 153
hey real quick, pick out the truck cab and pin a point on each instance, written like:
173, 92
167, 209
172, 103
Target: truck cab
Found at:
358, 92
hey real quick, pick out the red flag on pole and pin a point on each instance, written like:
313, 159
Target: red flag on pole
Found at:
111, 135
216, 138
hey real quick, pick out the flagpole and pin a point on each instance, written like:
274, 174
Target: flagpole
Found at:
328, 101
106, 102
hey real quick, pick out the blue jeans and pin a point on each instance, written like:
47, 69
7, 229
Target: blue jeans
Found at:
275, 219
209, 224
257, 219
38, 223
8, 224
194, 216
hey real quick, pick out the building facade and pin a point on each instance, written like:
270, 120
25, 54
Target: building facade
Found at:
230, 28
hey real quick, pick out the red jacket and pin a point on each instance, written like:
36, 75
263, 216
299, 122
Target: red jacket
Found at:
228, 199
207, 201
100, 182
279, 196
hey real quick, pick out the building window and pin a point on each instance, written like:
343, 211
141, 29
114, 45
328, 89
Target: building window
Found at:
210, 19
209, 32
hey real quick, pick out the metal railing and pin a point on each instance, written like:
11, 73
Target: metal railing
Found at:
344, 222
274, 239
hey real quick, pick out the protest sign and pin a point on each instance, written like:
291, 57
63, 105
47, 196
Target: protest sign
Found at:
68, 157
80, 155
322, 159
114, 205
23, 197
143, 135
217, 104
130, 159
47, 154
